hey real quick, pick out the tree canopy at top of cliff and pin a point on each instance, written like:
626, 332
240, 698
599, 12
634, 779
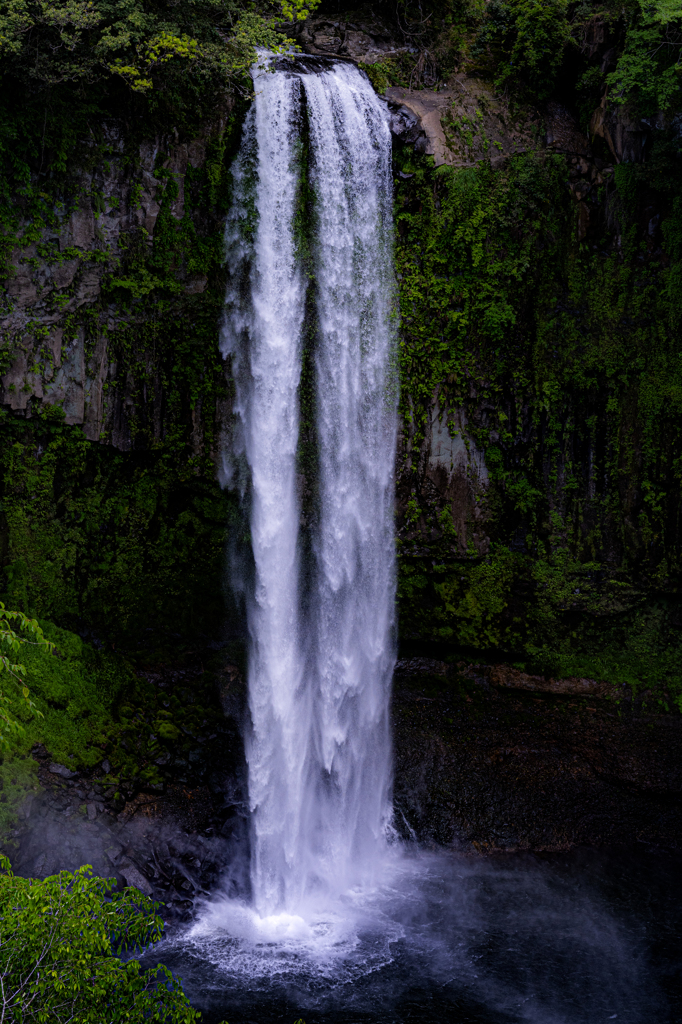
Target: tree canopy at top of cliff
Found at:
195, 47
48, 42
630, 49
67, 66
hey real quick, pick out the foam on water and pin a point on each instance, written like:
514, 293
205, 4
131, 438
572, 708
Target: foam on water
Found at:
562, 940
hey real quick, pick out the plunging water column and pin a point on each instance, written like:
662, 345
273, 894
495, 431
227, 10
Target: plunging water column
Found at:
321, 646
339, 926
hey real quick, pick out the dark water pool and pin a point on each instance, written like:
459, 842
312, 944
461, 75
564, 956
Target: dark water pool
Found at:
580, 938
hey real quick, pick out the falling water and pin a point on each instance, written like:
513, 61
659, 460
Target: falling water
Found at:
435, 936
321, 650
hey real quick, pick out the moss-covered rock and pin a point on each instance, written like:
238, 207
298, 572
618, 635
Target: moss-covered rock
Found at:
539, 476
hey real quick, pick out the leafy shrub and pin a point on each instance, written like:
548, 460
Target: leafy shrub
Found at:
11, 644
649, 69
54, 41
74, 690
526, 40
59, 940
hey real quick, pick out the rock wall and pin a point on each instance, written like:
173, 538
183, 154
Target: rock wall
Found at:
69, 294
486, 767
537, 494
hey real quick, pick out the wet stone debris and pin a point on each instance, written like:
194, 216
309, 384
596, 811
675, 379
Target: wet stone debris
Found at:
174, 840
174, 847
487, 759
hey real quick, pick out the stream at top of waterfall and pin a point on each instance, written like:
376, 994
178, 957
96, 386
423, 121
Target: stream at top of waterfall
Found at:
339, 921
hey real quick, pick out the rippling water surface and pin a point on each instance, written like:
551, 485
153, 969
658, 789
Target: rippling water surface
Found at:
558, 939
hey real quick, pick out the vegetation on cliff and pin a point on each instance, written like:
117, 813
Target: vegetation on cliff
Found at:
540, 301
540, 297
544, 302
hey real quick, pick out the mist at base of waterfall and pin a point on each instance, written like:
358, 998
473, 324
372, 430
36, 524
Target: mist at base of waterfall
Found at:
574, 938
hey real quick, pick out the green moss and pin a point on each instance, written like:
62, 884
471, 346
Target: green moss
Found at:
562, 354
563, 357
400, 70
76, 690
129, 541
124, 542
100, 712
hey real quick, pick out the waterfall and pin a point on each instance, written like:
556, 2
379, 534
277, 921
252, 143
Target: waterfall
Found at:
320, 613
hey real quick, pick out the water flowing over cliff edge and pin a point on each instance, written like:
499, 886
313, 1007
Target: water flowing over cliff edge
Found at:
321, 633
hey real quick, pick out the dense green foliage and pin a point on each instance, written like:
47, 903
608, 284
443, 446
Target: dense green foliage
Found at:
160, 44
649, 69
76, 689
99, 712
60, 945
135, 539
537, 48
66, 66
560, 348
11, 644
566, 360
121, 542
524, 41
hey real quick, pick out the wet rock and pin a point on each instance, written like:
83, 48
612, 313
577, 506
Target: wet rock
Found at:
622, 130
45, 366
406, 126
113, 853
511, 678
67, 388
80, 229
421, 667
18, 384
63, 771
26, 807
21, 288
88, 286
563, 133
135, 878
361, 36
64, 273
448, 474
38, 865
196, 284
232, 690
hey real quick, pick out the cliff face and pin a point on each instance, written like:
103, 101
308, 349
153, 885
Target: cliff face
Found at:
539, 340
538, 247
78, 290
113, 389
537, 258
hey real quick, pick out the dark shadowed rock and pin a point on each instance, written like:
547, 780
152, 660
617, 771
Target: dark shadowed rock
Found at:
60, 769
490, 758
135, 878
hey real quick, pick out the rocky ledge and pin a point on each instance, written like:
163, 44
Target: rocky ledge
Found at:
489, 758
177, 840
